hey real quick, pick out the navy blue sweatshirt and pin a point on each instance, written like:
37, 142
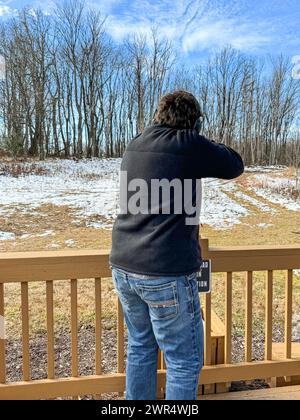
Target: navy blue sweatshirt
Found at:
164, 244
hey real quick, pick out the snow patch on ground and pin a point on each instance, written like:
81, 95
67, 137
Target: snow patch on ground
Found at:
39, 235
265, 169
7, 236
233, 188
90, 188
279, 200
69, 242
277, 190
53, 246
218, 209
264, 225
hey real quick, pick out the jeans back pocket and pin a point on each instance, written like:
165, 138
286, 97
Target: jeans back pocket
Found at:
161, 299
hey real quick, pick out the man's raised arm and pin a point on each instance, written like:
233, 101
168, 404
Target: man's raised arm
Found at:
215, 160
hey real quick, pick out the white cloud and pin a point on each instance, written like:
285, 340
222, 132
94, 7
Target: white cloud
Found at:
223, 32
201, 25
119, 29
192, 26
196, 25
4, 10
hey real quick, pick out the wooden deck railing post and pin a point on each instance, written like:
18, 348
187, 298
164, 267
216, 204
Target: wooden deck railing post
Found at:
204, 243
25, 331
207, 330
50, 329
98, 329
120, 340
228, 318
288, 314
2, 339
208, 342
249, 315
269, 316
74, 329
161, 366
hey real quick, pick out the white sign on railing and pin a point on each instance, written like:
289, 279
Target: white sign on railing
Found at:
2, 328
2, 67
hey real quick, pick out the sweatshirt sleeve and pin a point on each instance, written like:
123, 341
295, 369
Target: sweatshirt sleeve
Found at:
215, 160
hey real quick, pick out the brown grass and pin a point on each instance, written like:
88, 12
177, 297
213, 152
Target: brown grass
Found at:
17, 169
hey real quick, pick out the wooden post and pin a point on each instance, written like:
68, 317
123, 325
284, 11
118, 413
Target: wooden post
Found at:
288, 314
269, 316
228, 319
2, 340
74, 330
120, 340
98, 327
25, 331
249, 315
98, 330
160, 366
50, 329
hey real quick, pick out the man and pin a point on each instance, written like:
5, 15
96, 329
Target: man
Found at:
156, 254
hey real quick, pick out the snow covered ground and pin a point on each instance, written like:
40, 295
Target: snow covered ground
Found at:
278, 191
90, 189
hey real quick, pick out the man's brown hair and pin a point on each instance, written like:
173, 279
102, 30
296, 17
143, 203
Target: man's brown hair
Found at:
179, 109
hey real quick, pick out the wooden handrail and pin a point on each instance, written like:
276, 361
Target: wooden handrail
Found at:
58, 265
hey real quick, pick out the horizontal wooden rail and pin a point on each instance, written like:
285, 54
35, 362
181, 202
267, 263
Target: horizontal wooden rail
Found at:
91, 385
60, 265
53, 265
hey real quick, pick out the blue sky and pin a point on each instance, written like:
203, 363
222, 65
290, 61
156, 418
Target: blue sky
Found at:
199, 27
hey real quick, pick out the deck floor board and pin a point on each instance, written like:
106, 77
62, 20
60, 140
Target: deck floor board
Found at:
286, 393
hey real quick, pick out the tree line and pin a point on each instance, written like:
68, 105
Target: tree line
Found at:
68, 90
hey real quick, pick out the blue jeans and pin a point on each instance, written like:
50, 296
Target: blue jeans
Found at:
165, 313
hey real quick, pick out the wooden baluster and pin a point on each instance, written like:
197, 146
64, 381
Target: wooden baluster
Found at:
228, 319
207, 329
98, 330
160, 366
208, 344
120, 340
288, 314
98, 326
249, 315
74, 329
269, 316
50, 329
2, 339
163, 362
25, 331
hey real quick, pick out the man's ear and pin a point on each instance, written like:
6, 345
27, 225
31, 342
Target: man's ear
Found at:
198, 125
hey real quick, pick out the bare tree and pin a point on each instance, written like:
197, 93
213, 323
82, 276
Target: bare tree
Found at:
69, 90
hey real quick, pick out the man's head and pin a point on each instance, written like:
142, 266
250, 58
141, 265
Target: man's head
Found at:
179, 109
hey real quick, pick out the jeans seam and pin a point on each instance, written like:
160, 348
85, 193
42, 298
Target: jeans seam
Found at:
190, 291
195, 350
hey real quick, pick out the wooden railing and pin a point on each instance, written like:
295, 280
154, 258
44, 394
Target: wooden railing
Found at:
48, 267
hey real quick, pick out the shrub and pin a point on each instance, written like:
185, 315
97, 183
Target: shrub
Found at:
12, 145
